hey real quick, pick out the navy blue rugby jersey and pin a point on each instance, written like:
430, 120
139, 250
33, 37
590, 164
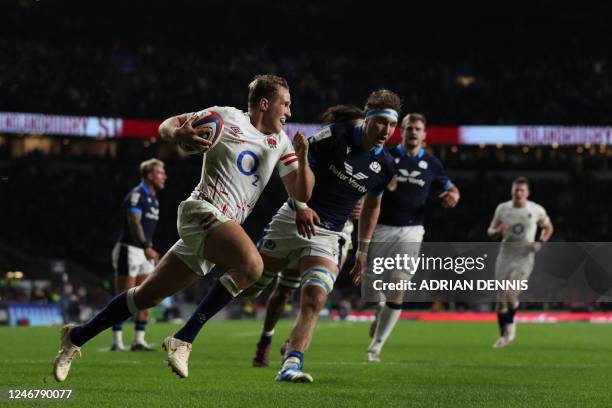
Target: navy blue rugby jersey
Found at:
344, 172
415, 178
143, 202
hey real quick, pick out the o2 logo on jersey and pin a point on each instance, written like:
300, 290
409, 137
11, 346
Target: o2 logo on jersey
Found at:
518, 229
248, 163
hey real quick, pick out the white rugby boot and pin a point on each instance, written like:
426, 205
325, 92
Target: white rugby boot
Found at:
510, 333
293, 374
66, 354
178, 355
373, 356
501, 342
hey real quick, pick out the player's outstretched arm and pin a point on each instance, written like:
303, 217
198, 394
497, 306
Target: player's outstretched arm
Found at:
178, 129
367, 224
299, 183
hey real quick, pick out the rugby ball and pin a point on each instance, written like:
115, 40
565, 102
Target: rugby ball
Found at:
212, 124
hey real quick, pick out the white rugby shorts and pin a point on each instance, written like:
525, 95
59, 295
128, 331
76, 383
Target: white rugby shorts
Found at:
347, 234
282, 241
129, 260
511, 265
389, 241
195, 220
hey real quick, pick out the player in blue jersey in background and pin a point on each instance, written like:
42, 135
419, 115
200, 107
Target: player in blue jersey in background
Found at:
133, 255
289, 279
349, 162
402, 217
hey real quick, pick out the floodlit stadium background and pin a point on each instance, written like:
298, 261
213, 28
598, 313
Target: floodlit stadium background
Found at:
507, 91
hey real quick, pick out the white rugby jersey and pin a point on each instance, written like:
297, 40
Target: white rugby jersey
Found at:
522, 222
236, 170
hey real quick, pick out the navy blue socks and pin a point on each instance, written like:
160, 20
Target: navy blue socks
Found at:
215, 300
115, 312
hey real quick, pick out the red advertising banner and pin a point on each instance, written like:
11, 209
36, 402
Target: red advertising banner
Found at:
91, 126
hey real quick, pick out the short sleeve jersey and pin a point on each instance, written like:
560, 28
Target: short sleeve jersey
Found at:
522, 222
140, 200
416, 176
345, 172
236, 170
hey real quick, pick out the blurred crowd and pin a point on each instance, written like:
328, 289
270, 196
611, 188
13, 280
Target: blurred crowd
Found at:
458, 63
69, 207
461, 64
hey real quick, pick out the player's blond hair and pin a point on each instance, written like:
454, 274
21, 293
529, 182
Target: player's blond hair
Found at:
414, 117
265, 86
147, 166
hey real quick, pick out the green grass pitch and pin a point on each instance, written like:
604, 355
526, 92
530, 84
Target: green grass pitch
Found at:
424, 364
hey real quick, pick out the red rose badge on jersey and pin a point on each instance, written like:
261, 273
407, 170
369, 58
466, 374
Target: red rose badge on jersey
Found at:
271, 143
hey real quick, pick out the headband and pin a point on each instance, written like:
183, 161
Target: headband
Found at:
383, 112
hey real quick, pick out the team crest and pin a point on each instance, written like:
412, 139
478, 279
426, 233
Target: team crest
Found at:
271, 142
423, 164
269, 244
375, 167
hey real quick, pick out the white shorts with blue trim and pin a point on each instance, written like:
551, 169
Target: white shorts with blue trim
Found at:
389, 241
282, 241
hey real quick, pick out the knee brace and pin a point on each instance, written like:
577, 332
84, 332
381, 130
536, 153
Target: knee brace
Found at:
262, 283
289, 282
319, 276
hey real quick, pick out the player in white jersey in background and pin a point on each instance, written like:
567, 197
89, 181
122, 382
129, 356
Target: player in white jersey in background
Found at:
516, 221
234, 174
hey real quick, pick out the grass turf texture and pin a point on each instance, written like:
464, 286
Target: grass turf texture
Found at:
424, 364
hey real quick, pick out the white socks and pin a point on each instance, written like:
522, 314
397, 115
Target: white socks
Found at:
118, 338
387, 318
139, 337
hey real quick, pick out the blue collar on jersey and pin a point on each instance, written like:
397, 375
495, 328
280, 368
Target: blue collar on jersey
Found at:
400, 148
358, 134
145, 188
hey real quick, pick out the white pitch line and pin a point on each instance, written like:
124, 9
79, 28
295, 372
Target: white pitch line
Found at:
463, 365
